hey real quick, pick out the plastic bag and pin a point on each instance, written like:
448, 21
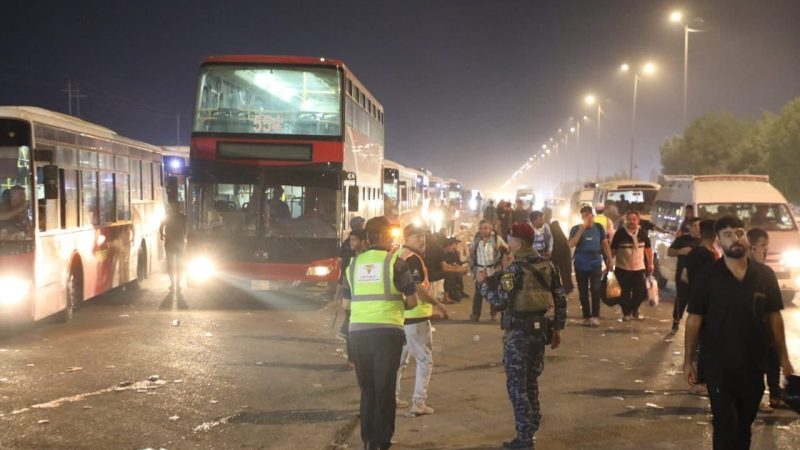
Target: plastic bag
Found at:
610, 290
652, 290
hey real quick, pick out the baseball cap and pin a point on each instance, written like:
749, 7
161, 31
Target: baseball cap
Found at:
522, 230
412, 229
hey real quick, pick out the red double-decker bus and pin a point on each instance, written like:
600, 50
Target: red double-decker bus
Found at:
284, 151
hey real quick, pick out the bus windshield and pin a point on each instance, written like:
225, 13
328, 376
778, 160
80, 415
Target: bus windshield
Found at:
261, 99
769, 216
16, 215
254, 208
640, 200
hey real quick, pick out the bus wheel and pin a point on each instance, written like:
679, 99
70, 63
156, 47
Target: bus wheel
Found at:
74, 294
141, 270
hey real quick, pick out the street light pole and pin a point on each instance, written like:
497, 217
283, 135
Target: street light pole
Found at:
685, 71
597, 143
633, 124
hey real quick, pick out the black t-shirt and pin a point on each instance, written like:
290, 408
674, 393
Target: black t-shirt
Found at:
417, 267
698, 260
735, 333
685, 240
346, 253
434, 255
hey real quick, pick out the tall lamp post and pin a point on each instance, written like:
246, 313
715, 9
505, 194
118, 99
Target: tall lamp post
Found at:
677, 17
648, 69
591, 100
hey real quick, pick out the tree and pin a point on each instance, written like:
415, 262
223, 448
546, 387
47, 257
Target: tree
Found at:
707, 146
784, 151
751, 154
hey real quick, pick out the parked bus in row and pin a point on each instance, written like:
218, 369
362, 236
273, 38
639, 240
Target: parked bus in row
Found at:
284, 151
80, 212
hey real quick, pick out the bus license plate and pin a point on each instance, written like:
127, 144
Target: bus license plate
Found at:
259, 285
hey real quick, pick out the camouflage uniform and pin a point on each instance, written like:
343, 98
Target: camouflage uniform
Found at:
524, 341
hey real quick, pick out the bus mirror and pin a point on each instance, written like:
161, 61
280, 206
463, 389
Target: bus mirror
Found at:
50, 182
352, 198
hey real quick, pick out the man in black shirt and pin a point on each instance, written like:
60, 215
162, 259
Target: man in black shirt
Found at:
347, 252
173, 233
686, 224
681, 247
737, 306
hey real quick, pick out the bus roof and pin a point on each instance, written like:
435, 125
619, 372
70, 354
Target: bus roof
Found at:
289, 60
629, 184
59, 120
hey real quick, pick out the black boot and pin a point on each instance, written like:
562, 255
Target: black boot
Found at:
517, 444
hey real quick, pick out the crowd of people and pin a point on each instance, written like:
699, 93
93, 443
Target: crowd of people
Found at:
525, 271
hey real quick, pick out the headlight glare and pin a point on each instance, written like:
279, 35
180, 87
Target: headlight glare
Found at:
13, 290
319, 271
201, 268
791, 258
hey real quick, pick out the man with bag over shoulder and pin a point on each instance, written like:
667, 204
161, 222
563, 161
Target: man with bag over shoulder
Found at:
525, 291
591, 243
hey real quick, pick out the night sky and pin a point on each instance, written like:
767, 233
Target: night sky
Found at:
470, 88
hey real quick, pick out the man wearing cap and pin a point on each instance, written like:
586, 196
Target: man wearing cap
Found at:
379, 288
601, 218
417, 325
527, 288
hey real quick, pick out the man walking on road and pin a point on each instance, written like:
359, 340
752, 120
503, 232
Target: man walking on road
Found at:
417, 326
379, 288
173, 233
633, 256
759, 246
682, 247
591, 244
525, 292
737, 307
485, 254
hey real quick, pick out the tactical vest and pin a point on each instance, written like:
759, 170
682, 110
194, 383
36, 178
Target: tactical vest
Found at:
535, 293
374, 300
423, 309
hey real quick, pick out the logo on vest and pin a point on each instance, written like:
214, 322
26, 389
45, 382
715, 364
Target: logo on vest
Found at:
366, 273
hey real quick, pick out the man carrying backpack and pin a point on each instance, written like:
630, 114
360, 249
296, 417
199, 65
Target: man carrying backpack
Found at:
485, 254
591, 244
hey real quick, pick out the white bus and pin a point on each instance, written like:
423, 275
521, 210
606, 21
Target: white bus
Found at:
80, 208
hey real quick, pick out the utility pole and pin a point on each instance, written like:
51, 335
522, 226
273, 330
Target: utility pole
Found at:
178, 129
73, 93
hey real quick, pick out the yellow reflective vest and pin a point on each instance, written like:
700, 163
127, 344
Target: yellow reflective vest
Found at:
375, 302
423, 310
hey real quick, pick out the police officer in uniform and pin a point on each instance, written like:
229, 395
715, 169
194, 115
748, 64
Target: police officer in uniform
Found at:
379, 288
525, 291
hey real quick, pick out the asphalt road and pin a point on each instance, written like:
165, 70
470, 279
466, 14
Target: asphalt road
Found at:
216, 369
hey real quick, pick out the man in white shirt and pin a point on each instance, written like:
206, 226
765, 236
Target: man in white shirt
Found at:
485, 254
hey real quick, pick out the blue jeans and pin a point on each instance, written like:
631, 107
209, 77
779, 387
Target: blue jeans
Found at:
589, 280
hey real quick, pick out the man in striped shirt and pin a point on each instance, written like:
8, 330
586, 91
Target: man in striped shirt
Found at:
485, 254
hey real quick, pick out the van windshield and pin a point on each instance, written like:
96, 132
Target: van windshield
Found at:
769, 216
631, 199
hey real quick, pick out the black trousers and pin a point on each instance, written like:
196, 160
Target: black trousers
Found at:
773, 372
681, 300
589, 282
734, 408
376, 356
477, 302
634, 289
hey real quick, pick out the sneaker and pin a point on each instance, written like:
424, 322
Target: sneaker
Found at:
400, 404
517, 444
594, 322
675, 326
421, 409
340, 335
474, 318
638, 317
765, 407
587, 322
626, 318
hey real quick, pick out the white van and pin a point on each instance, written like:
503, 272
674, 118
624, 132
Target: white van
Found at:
623, 195
750, 197
580, 198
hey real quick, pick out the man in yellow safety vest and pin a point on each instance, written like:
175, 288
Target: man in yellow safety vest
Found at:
379, 288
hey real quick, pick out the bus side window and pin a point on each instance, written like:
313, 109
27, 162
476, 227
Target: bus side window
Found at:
69, 198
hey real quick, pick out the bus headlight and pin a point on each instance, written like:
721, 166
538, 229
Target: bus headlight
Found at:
201, 268
13, 290
319, 271
791, 259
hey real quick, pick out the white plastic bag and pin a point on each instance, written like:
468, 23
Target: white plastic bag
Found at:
652, 290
